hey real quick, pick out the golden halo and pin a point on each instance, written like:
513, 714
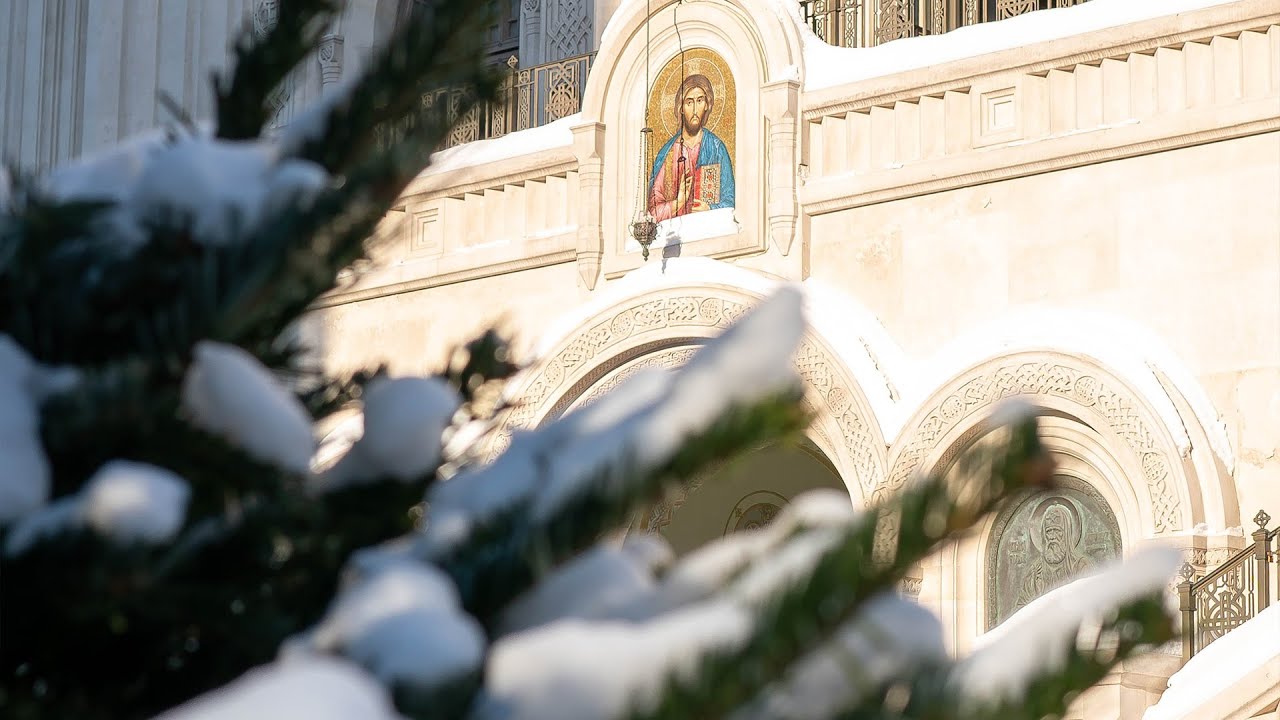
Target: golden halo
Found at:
660, 112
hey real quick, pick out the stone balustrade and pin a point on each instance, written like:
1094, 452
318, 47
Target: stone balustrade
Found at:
1203, 76
1157, 85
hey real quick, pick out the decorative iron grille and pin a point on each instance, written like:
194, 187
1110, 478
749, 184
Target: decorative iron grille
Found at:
864, 23
1231, 594
529, 98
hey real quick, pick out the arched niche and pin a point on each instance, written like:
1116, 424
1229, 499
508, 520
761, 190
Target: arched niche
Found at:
744, 494
662, 326
1105, 510
1041, 540
1125, 428
763, 57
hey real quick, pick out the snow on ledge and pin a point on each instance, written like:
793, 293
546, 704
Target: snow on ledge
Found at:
522, 142
1222, 670
828, 66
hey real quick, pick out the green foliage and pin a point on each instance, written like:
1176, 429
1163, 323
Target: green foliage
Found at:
90, 629
515, 550
853, 570
94, 630
932, 693
261, 65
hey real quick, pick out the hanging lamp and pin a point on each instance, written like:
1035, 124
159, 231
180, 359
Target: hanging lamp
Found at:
643, 227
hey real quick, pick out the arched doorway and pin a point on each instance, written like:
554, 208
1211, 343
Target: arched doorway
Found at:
743, 494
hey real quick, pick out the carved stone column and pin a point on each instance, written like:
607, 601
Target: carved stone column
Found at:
531, 33
330, 57
588, 146
781, 105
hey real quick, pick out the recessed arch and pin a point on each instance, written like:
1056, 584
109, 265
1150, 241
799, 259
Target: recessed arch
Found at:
660, 323
1070, 386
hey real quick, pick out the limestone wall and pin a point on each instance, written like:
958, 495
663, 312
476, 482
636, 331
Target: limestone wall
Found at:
1109, 202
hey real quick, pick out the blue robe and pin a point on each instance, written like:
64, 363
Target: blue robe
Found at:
711, 152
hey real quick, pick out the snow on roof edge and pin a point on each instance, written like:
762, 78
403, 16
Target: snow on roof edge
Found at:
828, 66
512, 145
1217, 669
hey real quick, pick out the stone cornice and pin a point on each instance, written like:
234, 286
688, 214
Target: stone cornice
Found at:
1085, 49
490, 175
554, 257
1075, 149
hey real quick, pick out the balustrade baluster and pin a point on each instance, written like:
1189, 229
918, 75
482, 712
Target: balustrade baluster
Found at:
839, 22
1229, 595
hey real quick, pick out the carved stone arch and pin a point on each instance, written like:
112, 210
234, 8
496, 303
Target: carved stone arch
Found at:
663, 328
776, 46
763, 54
1068, 386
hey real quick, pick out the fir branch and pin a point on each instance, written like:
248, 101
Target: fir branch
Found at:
295, 258
933, 693
514, 551
482, 360
810, 610
263, 62
439, 46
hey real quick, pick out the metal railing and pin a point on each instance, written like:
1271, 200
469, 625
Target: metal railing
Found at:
1229, 595
864, 23
529, 98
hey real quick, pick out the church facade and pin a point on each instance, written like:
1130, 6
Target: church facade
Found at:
1079, 206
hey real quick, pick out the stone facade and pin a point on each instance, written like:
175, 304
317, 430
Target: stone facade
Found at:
1105, 201
1089, 221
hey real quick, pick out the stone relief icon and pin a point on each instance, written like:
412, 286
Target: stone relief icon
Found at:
1044, 541
1059, 559
755, 511
692, 109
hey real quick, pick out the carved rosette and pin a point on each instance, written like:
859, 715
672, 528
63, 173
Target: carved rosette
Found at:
1083, 387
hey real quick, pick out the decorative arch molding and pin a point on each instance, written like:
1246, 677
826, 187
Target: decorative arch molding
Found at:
1070, 386
773, 40
763, 52
662, 328
673, 356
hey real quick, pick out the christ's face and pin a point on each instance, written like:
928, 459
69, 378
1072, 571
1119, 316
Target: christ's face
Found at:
694, 110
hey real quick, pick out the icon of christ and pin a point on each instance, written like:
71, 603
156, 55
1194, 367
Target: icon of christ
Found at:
692, 172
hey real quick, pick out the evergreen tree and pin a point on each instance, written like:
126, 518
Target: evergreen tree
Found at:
164, 536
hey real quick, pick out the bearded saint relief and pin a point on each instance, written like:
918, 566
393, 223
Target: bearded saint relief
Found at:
692, 111
1044, 542
1060, 558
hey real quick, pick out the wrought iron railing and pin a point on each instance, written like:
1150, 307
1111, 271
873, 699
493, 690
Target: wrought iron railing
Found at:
863, 23
529, 98
1231, 594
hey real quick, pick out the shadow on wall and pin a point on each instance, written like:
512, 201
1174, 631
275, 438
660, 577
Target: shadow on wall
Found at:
670, 250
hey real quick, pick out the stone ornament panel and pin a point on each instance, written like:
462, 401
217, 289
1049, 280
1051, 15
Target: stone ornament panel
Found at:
618, 336
663, 330
1063, 378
